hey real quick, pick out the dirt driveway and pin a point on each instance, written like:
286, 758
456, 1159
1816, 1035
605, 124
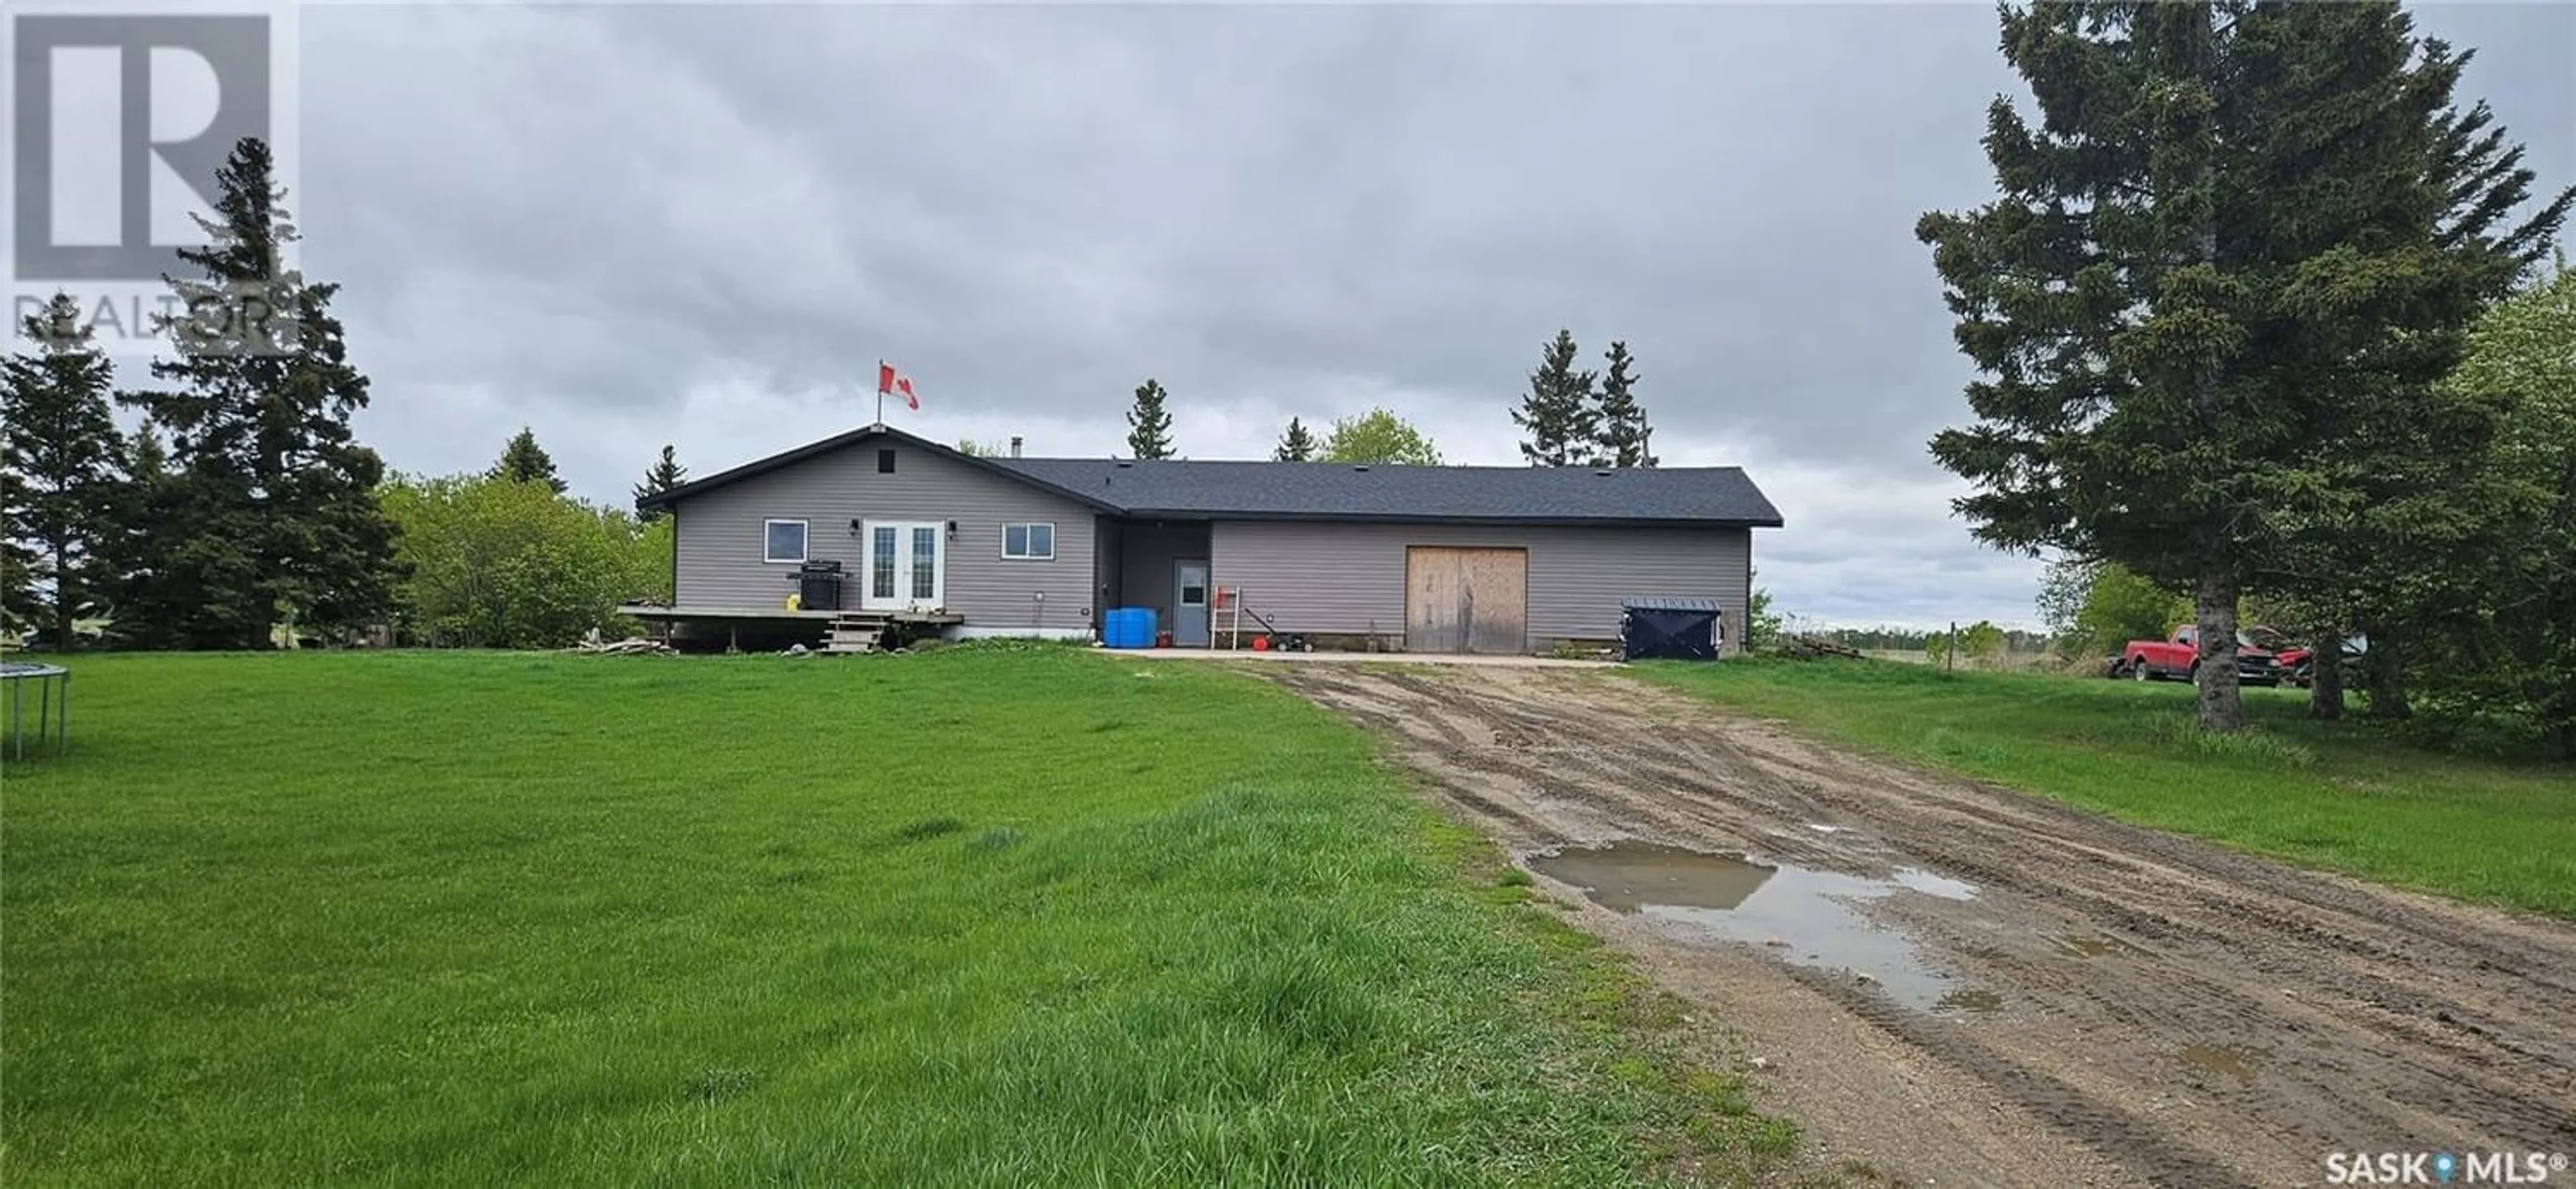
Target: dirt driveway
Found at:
2053, 998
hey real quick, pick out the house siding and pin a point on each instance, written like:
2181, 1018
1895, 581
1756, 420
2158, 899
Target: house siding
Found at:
719, 535
1348, 578
1145, 571
1109, 544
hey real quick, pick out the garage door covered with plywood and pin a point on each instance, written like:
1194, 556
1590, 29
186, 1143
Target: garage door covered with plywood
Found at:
1459, 599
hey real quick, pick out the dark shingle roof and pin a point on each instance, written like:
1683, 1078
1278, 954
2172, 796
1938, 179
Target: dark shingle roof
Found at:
1172, 490
1340, 491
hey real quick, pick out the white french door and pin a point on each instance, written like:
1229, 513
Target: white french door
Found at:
906, 567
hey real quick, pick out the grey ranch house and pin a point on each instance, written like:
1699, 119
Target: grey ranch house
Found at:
1421, 559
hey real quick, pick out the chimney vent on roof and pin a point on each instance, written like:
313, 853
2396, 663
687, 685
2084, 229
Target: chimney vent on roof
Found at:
1015, 445
1360, 467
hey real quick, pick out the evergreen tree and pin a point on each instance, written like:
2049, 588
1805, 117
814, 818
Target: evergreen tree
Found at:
268, 514
1620, 422
1296, 445
667, 473
1149, 427
2401, 457
2226, 224
524, 461
59, 457
1558, 411
138, 550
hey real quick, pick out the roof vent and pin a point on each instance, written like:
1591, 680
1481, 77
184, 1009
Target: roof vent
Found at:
1604, 474
1360, 467
1123, 464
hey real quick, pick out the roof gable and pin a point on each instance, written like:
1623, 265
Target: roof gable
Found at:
838, 442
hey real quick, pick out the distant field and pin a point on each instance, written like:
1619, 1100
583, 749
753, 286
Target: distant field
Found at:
1005, 915
2009, 662
2342, 796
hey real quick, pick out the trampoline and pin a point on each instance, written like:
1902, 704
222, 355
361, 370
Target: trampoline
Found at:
53, 711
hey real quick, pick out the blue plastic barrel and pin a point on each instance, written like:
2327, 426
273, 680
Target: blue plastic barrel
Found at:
1128, 627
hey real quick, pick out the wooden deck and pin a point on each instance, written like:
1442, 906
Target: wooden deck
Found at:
648, 611
843, 631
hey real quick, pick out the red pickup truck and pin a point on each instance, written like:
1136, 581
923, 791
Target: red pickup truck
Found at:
2179, 656
2297, 662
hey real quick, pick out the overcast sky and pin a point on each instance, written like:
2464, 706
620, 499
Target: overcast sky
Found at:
626, 226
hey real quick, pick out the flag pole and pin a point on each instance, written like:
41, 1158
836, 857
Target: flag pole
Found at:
881, 366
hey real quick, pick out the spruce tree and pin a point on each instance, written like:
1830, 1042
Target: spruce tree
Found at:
1149, 427
273, 514
1296, 445
667, 473
2223, 226
1558, 411
1620, 420
524, 461
140, 552
2402, 455
60, 453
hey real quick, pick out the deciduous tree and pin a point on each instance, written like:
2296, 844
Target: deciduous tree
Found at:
2095, 606
1379, 436
2513, 647
1762, 624
493, 562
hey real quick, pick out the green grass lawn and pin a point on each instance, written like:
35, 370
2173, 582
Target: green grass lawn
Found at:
987, 915
2341, 796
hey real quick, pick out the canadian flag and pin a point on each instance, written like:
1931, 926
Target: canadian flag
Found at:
894, 383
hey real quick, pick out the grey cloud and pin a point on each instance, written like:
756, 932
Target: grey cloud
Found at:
634, 224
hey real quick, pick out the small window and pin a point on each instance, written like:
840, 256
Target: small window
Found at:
782, 541
885, 462
1028, 542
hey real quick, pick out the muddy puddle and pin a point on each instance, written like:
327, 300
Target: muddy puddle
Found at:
1804, 915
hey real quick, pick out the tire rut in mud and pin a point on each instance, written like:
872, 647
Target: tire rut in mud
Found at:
2342, 1016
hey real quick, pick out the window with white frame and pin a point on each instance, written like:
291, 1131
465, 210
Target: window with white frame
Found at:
1028, 542
782, 540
